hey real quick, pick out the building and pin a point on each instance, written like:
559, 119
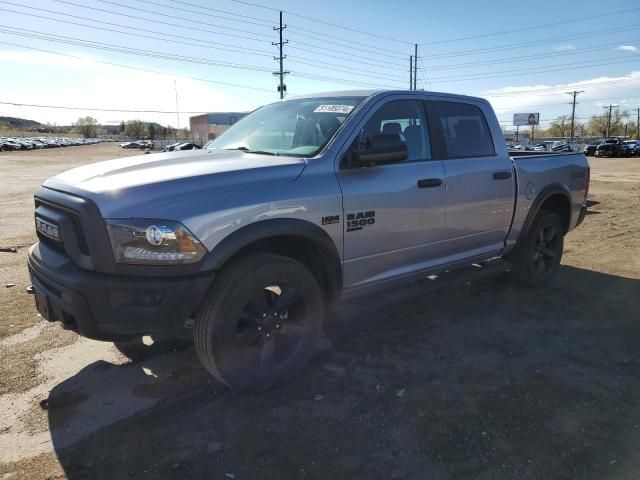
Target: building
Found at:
209, 125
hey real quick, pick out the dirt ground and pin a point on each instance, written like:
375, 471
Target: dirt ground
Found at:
483, 380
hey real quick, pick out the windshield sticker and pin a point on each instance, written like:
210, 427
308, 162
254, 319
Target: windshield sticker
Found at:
333, 109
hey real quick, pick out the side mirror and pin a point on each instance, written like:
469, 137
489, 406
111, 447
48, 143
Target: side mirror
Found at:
383, 148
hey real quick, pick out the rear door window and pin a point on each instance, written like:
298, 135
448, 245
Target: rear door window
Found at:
464, 129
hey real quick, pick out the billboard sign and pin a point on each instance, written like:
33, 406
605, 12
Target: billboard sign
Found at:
526, 118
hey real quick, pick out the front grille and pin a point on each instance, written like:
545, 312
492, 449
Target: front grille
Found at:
77, 230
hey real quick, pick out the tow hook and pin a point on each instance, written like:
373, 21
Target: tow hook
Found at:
31, 290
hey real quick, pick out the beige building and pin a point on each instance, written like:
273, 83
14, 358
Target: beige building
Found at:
210, 125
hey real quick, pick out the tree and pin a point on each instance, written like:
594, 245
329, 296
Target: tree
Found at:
87, 127
560, 127
122, 126
152, 131
597, 125
135, 129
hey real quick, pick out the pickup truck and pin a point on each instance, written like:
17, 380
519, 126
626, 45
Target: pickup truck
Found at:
248, 240
612, 147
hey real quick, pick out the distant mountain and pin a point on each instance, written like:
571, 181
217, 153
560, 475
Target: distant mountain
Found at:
14, 122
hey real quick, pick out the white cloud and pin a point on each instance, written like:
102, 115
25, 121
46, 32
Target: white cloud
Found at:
551, 100
564, 48
82, 82
627, 48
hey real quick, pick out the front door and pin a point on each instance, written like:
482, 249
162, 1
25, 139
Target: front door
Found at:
394, 212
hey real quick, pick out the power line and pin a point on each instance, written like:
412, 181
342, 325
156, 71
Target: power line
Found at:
458, 79
323, 22
131, 51
307, 34
482, 75
361, 60
195, 28
379, 52
524, 58
174, 17
509, 109
514, 46
96, 109
424, 70
560, 89
324, 39
349, 70
179, 58
263, 23
249, 51
209, 43
173, 25
523, 29
148, 70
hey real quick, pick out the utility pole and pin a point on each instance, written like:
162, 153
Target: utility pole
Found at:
415, 67
175, 87
638, 124
282, 87
609, 118
410, 72
517, 132
573, 112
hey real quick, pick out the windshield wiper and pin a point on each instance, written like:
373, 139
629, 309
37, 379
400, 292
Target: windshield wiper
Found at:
248, 150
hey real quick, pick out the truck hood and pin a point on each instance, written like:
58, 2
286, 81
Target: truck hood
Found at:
160, 178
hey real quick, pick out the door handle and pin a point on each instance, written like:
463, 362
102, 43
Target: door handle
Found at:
429, 182
501, 175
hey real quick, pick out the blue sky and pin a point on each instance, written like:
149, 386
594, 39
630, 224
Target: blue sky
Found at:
523, 58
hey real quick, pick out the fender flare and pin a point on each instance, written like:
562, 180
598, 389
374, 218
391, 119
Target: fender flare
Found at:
265, 229
543, 195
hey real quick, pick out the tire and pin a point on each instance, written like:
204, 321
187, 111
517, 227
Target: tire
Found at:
136, 350
537, 259
260, 323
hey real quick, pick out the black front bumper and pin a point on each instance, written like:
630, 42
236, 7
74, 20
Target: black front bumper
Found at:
108, 306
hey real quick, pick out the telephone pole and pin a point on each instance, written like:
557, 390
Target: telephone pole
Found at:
282, 87
609, 119
410, 72
573, 112
638, 124
415, 67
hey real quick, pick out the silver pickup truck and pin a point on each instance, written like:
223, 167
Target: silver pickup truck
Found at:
247, 240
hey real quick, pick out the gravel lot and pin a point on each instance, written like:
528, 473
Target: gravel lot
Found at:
483, 380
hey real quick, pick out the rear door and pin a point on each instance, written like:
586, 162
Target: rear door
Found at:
480, 182
393, 213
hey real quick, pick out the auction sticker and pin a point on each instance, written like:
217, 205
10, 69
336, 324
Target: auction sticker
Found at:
334, 108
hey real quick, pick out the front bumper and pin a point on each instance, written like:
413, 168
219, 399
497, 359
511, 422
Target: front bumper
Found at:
107, 306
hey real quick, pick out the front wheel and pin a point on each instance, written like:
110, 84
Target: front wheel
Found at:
260, 323
536, 260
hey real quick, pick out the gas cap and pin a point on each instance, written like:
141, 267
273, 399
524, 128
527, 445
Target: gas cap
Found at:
530, 191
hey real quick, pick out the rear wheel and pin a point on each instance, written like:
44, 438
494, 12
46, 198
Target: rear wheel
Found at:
261, 322
536, 260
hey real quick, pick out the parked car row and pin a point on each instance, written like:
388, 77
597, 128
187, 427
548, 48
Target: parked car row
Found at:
181, 146
12, 144
138, 144
613, 147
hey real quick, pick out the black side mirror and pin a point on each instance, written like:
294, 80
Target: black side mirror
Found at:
381, 149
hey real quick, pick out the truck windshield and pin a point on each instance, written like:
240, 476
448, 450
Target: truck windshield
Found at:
299, 127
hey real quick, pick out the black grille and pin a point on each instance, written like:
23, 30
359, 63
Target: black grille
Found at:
78, 231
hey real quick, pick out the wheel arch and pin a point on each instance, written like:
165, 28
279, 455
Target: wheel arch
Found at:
299, 239
555, 198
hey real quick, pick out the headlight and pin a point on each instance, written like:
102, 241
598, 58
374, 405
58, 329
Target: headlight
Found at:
153, 242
